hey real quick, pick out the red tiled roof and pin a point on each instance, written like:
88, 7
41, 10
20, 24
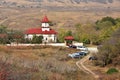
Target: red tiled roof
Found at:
39, 31
45, 20
69, 38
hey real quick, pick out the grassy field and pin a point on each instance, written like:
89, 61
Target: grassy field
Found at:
22, 19
46, 63
40, 63
101, 71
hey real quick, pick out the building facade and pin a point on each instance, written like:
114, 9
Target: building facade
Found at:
48, 34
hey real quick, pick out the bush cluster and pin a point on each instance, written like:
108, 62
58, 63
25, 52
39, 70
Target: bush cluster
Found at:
112, 70
109, 51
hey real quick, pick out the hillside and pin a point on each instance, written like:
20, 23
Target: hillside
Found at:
62, 4
26, 14
24, 19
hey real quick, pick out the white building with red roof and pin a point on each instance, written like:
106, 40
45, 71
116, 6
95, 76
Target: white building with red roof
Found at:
49, 35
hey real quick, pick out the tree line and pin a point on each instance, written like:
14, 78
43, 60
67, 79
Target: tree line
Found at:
8, 36
92, 33
95, 33
109, 52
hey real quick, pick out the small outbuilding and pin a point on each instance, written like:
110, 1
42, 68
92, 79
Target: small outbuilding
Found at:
69, 40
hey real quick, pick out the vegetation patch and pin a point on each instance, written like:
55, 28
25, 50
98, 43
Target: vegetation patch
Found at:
112, 70
109, 51
38, 63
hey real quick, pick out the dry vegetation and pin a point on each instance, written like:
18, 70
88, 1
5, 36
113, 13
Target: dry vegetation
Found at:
101, 71
39, 63
45, 63
22, 19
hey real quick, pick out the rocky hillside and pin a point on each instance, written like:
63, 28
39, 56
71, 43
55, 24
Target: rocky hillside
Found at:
24, 14
62, 4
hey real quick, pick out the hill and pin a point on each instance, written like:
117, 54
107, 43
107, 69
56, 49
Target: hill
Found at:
25, 14
62, 4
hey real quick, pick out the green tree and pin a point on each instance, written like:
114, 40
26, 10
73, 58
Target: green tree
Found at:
62, 34
4, 40
68, 33
3, 33
37, 39
3, 29
87, 34
95, 39
103, 25
106, 26
110, 52
15, 36
86, 41
78, 33
117, 20
110, 19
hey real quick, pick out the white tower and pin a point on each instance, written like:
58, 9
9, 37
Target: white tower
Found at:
45, 24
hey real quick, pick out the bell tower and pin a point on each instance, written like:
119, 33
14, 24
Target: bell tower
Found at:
45, 24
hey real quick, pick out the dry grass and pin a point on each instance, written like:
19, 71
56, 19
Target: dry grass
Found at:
43, 62
101, 71
47, 62
112, 77
30, 18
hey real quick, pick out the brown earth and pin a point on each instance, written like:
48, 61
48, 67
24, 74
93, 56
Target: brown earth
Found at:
22, 19
52, 62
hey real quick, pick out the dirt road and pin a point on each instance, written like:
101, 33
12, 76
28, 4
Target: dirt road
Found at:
80, 65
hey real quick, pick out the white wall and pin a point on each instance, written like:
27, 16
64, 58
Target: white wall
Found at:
78, 44
30, 36
57, 44
51, 44
46, 37
45, 24
46, 29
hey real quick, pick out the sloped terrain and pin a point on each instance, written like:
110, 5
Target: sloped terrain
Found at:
39, 63
25, 14
60, 3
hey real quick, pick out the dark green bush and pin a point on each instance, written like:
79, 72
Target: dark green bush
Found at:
37, 39
112, 70
86, 41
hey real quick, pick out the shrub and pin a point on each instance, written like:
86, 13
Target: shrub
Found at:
109, 51
86, 41
112, 70
37, 39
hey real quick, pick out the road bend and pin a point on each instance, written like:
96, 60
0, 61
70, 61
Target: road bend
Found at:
80, 65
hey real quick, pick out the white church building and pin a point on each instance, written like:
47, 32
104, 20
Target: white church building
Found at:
49, 35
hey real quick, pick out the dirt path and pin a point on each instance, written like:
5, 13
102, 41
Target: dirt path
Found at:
80, 65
